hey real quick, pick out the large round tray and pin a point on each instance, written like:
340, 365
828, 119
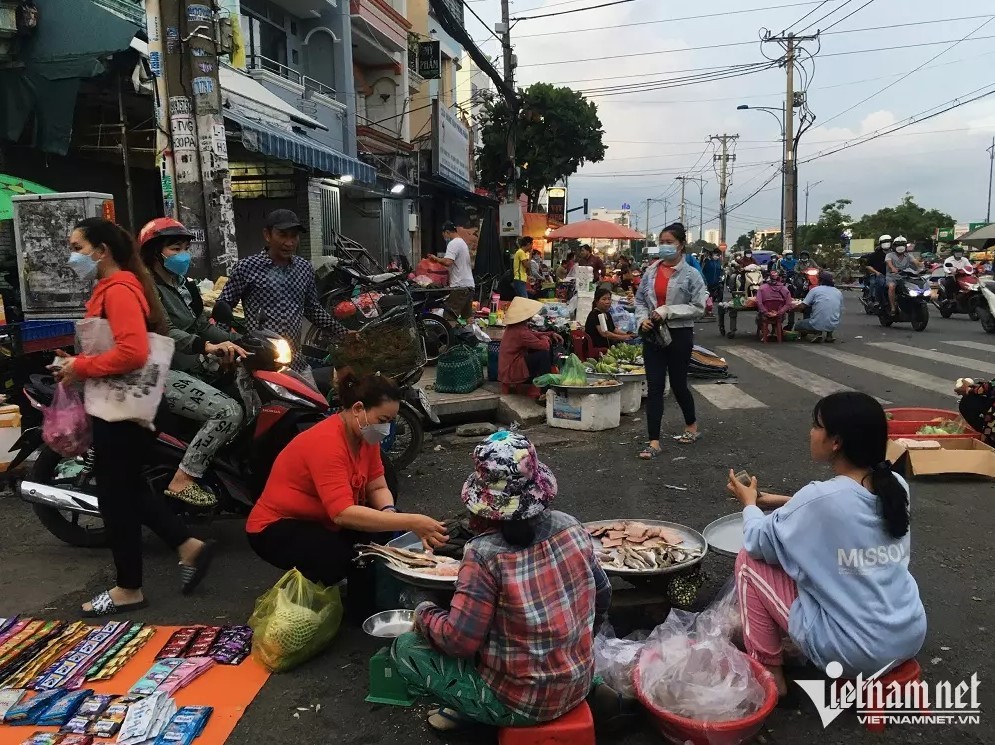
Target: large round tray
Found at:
413, 577
597, 389
692, 539
620, 377
725, 535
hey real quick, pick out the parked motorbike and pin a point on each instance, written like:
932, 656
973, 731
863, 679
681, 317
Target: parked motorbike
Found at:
986, 309
911, 301
279, 405
967, 299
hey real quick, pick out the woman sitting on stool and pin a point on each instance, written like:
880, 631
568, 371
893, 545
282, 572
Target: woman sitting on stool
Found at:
525, 354
602, 308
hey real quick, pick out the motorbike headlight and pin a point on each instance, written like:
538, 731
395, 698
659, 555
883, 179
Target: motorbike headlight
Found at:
284, 354
287, 395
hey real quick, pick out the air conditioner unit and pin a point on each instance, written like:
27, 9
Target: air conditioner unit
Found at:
511, 219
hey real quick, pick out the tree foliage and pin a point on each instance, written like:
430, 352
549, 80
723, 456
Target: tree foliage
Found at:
744, 241
557, 131
829, 229
908, 218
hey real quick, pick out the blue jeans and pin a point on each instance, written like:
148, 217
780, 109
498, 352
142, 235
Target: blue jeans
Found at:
521, 288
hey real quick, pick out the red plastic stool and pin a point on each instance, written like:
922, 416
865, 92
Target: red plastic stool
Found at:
765, 328
524, 389
908, 672
573, 728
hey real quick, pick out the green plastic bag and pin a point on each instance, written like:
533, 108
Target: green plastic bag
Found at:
295, 620
572, 373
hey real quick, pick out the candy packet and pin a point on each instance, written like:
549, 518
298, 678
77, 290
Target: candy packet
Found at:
155, 676
8, 699
94, 706
232, 645
203, 641
146, 719
178, 643
190, 669
186, 726
76, 740
64, 708
27, 710
43, 738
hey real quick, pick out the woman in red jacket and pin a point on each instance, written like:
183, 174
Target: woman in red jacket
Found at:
524, 354
124, 295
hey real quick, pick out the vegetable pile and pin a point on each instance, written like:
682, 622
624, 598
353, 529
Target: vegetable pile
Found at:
621, 359
941, 427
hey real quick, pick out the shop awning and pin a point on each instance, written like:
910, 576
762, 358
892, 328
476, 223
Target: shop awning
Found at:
253, 94
285, 145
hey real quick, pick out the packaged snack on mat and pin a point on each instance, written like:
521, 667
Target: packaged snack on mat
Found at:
28, 709
94, 706
105, 727
182, 676
76, 726
186, 726
43, 738
146, 719
178, 643
9, 698
76, 740
233, 645
155, 676
64, 708
203, 641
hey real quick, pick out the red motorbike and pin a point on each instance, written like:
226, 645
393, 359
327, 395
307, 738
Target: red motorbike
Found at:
967, 299
279, 405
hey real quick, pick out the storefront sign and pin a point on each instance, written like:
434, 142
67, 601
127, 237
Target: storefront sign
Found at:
557, 207
451, 148
944, 234
430, 60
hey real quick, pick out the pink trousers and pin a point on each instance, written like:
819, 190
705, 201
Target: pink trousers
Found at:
765, 596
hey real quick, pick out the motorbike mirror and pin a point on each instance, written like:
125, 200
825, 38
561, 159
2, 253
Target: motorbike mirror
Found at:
261, 319
223, 313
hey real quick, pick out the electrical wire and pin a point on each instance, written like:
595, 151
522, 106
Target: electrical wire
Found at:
813, 10
482, 23
822, 18
909, 73
839, 21
575, 10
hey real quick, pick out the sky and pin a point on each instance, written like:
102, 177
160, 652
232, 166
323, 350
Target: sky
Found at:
655, 135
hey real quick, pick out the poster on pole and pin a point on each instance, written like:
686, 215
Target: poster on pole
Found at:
451, 148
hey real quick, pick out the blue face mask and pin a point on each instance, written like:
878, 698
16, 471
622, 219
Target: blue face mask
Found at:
178, 264
84, 265
668, 251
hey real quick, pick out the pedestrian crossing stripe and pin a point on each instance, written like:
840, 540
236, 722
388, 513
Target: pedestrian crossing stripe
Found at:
943, 386
965, 363
728, 396
990, 348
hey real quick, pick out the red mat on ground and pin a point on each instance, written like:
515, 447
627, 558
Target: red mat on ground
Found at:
228, 688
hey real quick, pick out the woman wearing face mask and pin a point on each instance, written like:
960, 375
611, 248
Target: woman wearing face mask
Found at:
671, 296
327, 492
898, 261
125, 296
165, 250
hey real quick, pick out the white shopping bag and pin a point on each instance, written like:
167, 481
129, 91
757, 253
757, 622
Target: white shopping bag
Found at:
134, 396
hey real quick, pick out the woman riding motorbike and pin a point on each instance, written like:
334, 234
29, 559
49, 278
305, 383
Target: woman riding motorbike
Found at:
165, 249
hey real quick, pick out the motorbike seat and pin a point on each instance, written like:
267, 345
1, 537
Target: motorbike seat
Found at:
323, 377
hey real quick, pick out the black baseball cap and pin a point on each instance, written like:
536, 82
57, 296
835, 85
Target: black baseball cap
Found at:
284, 220
449, 227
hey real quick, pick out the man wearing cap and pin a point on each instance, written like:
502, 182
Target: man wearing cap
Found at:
457, 260
826, 305
279, 285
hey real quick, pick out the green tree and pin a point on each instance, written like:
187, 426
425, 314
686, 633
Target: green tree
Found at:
745, 241
828, 230
908, 218
557, 131
773, 243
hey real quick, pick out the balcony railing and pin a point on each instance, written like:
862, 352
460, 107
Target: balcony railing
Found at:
258, 62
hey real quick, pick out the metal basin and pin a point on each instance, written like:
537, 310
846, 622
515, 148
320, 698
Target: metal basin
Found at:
389, 624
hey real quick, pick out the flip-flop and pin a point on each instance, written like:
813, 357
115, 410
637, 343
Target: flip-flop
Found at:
103, 605
649, 453
445, 719
192, 576
688, 438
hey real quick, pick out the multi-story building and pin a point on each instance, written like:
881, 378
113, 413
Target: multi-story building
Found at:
760, 236
713, 236
472, 90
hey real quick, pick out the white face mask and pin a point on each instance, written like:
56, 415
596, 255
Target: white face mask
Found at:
900, 249
373, 433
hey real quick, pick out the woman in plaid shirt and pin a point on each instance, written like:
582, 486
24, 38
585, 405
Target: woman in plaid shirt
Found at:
516, 647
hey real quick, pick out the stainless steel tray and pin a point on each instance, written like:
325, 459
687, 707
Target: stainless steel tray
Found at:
412, 542
597, 389
725, 535
692, 539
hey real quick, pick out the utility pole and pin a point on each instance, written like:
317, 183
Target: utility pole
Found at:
701, 201
724, 173
509, 79
807, 187
991, 168
666, 204
189, 37
681, 179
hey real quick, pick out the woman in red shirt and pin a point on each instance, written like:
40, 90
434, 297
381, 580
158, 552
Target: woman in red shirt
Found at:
525, 354
327, 491
124, 295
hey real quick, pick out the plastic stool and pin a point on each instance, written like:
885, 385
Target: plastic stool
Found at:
386, 684
908, 672
524, 389
573, 728
765, 328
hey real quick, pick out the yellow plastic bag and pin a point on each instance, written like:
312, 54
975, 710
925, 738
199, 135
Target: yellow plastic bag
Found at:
295, 620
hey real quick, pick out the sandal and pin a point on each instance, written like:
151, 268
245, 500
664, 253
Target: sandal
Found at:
192, 575
103, 605
649, 453
445, 719
194, 495
688, 438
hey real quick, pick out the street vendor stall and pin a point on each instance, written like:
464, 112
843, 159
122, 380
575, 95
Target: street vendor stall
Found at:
734, 307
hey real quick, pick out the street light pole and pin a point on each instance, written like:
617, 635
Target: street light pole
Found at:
991, 167
807, 187
701, 200
784, 164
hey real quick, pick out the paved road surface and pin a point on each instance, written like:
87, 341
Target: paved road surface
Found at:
760, 422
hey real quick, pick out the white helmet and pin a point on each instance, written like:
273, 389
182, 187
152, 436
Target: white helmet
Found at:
900, 243
900, 239
883, 240
788, 253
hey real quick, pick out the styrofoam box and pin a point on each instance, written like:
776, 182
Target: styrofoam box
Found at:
590, 412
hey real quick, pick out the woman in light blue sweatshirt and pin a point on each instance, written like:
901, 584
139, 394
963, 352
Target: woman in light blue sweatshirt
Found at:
831, 565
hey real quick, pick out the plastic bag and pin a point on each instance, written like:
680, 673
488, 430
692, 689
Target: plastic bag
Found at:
573, 372
707, 680
295, 620
65, 426
615, 659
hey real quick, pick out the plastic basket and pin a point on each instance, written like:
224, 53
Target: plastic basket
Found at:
908, 421
35, 330
493, 351
684, 730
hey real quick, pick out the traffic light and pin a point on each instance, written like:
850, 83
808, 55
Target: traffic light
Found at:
585, 205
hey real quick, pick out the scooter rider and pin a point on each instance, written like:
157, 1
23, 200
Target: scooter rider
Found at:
805, 261
897, 262
165, 250
876, 266
956, 262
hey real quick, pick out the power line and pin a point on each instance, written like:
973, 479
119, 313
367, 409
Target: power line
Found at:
822, 18
910, 72
839, 21
813, 10
575, 10
482, 23
668, 20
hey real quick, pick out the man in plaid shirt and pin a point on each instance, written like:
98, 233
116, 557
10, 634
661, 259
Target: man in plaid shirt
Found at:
280, 284
517, 643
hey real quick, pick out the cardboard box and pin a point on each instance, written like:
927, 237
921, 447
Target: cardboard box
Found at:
962, 456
